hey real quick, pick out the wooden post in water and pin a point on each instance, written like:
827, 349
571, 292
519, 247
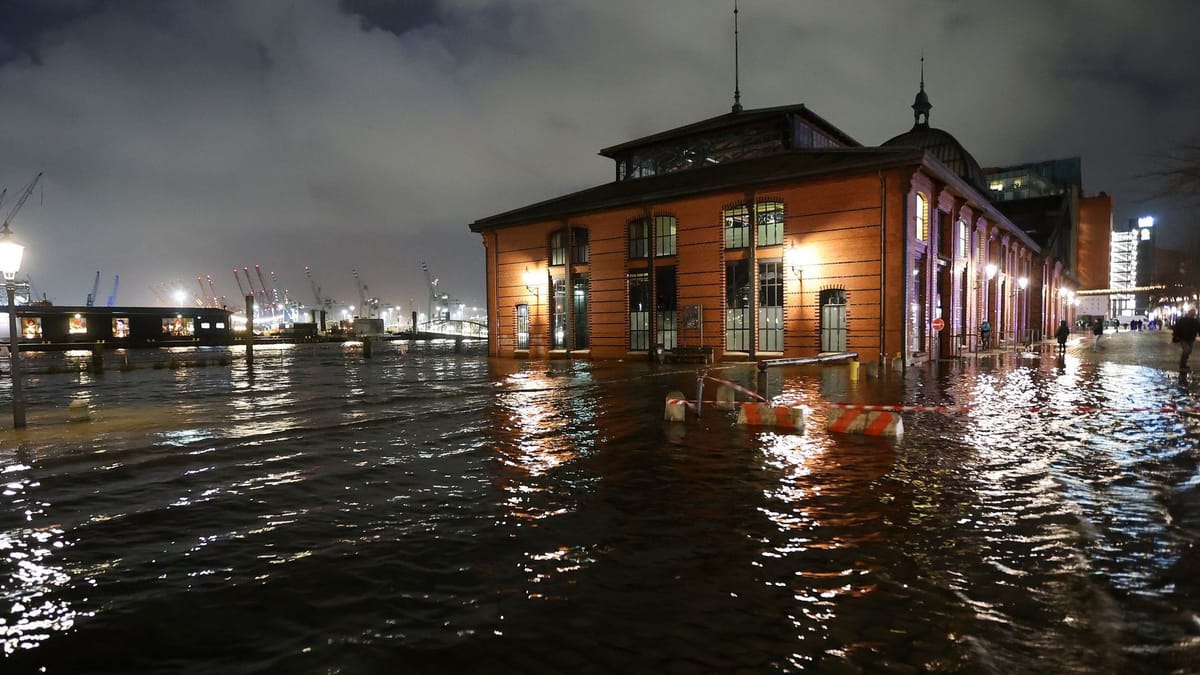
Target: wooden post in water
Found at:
249, 331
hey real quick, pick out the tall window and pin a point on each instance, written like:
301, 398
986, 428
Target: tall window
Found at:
558, 314
770, 223
664, 235
667, 318
922, 218
639, 238
522, 326
737, 227
639, 311
737, 305
580, 310
579, 252
558, 248
964, 240
770, 305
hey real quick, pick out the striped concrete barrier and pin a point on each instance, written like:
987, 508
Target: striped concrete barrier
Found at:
767, 415
676, 408
866, 422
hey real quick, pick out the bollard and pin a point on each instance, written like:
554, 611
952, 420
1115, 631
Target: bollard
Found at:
676, 408
853, 370
78, 411
97, 359
767, 415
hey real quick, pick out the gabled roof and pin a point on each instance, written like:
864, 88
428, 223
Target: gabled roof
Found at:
732, 119
715, 178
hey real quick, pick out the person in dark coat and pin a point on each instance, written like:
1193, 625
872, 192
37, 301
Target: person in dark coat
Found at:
1063, 332
1097, 331
1184, 333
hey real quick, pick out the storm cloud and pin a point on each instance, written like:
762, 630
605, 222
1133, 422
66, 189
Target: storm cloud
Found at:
183, 139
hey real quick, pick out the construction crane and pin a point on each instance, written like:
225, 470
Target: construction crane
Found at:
204, 302
91, 297
112, 297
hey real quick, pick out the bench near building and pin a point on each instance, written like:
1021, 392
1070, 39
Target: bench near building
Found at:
769, 233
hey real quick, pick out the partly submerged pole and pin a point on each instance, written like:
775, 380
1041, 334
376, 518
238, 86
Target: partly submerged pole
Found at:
250, 331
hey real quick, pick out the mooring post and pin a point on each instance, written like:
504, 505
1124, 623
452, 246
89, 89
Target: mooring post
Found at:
250, 331
97, 358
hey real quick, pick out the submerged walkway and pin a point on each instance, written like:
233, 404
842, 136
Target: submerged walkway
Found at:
1150, 348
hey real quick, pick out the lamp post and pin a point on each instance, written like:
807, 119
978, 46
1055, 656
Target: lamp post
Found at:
10, 264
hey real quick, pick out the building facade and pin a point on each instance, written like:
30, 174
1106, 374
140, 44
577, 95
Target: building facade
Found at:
764, 233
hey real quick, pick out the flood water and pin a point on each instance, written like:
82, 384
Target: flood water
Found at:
439, 511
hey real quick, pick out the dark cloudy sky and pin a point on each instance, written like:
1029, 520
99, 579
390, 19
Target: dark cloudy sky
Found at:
183, 139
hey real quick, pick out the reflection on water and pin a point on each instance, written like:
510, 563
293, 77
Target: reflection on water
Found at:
328, 512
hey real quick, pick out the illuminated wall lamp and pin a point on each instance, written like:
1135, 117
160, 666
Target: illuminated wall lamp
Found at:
797, 258
530, 278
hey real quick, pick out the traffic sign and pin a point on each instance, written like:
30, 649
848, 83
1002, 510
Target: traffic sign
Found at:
938, 323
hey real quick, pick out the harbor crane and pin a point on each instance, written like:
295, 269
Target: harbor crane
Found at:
368, 307
112, 297
21, 200
91, 297
437, 301
238, 279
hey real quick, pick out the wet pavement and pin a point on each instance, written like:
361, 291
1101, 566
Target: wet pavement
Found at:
1149, 348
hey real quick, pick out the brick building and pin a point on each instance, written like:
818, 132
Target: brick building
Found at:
763, 233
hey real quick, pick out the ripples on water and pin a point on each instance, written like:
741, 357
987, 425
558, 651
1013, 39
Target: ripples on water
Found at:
440, 512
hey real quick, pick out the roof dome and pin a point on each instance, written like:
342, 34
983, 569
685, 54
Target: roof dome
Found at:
938, 143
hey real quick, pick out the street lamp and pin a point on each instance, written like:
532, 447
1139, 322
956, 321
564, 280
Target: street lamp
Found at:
10, 264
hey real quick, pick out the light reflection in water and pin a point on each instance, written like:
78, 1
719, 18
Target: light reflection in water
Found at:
29, 580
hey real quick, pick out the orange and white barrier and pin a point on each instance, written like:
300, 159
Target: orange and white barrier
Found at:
845, 420
676, 408
767, 415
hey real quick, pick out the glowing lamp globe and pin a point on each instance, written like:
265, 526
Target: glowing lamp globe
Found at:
10, 254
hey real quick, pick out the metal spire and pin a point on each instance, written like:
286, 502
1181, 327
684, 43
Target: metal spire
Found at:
737, 92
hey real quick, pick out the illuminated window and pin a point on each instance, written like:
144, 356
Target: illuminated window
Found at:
522, 326
178, 326
558, 248
1145, 235
964, 239
77, 325
665, 228
31, 327
737, 227
120, 327
922, 218
997, 186
220, 324
205, 325
770, 223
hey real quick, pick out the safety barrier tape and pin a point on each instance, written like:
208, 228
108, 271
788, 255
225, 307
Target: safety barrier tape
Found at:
963, 409
736, 387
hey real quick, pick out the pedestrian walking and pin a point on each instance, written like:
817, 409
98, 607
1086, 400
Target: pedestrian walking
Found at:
985, 335
1184, 333
1063, 332
1097, 331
